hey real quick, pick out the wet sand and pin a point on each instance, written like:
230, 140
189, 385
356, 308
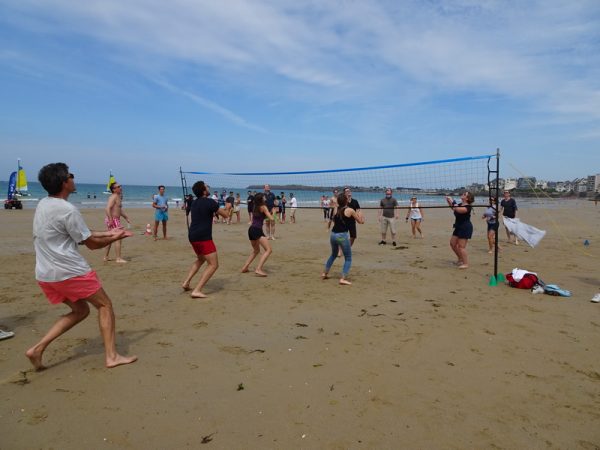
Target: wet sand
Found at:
415, 354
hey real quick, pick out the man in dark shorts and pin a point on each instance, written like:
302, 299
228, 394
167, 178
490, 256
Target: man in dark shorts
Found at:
229, 204
200, 236
270, 202
350, 221
509, 208
250, 204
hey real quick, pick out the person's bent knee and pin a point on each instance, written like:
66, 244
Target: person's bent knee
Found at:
81, 309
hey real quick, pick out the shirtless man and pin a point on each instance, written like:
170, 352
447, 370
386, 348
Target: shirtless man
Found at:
114, 212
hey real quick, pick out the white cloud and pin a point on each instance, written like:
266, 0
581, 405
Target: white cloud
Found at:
348, 51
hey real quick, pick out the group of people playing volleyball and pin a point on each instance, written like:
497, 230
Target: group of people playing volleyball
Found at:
341, 220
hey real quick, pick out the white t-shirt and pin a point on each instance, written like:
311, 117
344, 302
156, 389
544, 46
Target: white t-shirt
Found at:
57, 229
293, 202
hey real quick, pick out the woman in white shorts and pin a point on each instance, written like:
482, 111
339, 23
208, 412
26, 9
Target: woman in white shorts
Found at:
415, 214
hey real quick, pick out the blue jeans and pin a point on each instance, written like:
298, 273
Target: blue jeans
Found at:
338, 240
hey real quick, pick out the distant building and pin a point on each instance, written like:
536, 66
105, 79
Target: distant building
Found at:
525, 183
580, 185
509, 184
593, 184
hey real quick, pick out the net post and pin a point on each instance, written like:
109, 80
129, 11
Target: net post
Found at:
184, 189
497, 189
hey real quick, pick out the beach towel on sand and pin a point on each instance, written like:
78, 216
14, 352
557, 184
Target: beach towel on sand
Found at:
527, 233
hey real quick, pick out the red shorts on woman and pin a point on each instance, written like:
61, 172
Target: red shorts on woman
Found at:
71, 289
203, 248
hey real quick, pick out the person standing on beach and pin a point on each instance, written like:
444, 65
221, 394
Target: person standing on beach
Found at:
325, 206
293, 206
114, 212
257, 236
491, 217
160, 203
229, 205
388, 215
509, 208
203, 210
270, 204
62, 273
463, 228
282, 206
352, 203
415, 214
237, 207
333, 203
340, 237
250, 205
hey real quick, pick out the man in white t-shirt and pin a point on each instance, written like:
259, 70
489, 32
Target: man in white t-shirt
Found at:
293, 206
62, 273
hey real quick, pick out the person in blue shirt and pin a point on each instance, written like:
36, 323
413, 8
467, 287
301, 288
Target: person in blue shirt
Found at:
160, 203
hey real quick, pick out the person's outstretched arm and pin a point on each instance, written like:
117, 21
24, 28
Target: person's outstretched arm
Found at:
100, 239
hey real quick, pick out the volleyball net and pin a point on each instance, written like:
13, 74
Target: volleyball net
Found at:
430, 181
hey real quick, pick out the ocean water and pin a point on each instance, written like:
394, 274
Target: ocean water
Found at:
90, 196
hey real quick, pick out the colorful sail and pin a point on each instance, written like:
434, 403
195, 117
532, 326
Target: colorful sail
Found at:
12, 185
21, 187
111, 180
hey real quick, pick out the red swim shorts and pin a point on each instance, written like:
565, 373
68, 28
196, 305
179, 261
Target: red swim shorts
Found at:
204, 247
113, 224
71, 289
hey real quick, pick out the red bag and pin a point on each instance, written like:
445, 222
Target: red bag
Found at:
527, 282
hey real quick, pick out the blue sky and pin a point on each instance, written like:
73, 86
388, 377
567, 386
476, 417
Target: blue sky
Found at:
143, 86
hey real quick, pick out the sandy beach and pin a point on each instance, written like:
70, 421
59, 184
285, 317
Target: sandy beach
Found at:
415, 354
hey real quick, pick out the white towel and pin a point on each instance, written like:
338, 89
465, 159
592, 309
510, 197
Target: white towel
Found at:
527, 233
518, 274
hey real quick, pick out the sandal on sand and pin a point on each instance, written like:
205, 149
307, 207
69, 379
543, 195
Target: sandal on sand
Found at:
6, 334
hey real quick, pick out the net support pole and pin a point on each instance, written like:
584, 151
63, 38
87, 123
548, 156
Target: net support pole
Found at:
494, 186
184, 189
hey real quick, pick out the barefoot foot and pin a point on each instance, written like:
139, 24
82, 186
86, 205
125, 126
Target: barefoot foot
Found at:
324, 276
119, 360
244, 270
121, 260
195, 294
345, 282
185, 286
463, 266
36, 358
260, 273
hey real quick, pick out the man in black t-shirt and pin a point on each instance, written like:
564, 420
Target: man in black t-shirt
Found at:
351, 221
509, 208
200, 236
250, 204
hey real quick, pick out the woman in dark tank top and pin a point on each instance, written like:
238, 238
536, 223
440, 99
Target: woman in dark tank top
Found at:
340, 237
257, 236
463, 228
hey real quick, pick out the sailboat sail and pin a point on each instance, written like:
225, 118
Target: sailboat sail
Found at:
21, 186
12, 184
111, 180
